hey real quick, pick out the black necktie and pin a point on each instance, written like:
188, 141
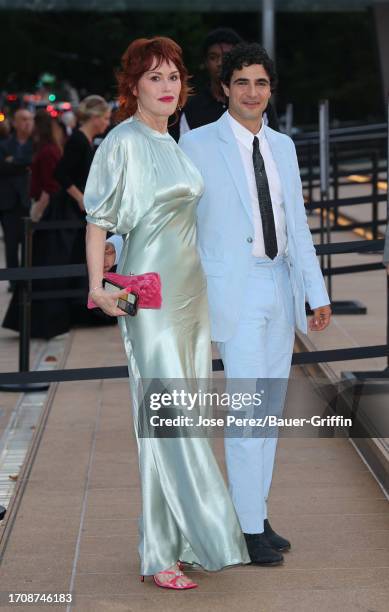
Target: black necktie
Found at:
265, 205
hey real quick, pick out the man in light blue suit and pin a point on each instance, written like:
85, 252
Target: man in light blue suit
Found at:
261, 266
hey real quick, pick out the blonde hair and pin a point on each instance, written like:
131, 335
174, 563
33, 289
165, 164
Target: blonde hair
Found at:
92, 106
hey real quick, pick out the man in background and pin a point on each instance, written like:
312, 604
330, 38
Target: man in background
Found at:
210, 103
15, 160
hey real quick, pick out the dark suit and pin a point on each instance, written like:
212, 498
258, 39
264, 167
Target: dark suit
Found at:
14, 194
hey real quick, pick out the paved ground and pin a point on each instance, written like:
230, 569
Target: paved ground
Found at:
76, 526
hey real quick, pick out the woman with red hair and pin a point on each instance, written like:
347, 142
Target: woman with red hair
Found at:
141, 185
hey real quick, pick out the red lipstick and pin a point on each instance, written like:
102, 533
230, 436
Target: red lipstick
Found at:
166, 99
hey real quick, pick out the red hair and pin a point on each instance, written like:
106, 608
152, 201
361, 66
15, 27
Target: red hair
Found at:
138, 58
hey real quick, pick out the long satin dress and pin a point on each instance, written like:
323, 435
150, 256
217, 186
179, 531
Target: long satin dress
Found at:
143, 186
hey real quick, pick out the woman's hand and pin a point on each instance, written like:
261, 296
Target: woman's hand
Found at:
36, 211
39, 207
107, 301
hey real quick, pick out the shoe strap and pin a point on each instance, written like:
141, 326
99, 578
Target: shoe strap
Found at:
173, 572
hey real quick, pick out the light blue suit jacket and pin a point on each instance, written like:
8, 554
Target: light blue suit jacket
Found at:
226, 231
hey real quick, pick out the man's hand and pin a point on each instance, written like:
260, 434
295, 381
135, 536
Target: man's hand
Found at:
109, 256
321, 318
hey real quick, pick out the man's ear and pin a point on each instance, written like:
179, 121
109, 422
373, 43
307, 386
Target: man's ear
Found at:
226, 90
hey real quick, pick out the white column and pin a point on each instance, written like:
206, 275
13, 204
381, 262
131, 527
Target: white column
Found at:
268, 30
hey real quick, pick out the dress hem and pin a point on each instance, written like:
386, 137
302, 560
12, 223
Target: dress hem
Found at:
194, 565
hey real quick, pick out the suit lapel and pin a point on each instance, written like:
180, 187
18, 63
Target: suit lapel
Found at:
231, 154
285, 173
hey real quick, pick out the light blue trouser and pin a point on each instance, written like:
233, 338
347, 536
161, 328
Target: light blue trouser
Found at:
260, 348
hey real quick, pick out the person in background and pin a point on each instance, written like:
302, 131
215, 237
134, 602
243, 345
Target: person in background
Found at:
47, 140
48, 317
94, 115
15, 161
210, 103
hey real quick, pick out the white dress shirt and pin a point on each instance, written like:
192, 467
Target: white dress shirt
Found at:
184, 125
245, 141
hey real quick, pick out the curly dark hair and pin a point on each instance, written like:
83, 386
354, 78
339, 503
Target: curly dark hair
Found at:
247, 54
220, 36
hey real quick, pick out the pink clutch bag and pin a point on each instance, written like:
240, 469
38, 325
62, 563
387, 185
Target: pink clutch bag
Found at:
147, 286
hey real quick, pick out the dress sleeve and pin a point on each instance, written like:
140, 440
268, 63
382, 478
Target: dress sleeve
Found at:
104, 191
121, 185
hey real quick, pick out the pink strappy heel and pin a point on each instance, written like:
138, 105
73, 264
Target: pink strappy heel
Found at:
172, 582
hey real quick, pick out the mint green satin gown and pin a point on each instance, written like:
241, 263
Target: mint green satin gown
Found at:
143, 186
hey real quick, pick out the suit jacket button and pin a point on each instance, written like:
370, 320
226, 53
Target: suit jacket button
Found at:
249, 239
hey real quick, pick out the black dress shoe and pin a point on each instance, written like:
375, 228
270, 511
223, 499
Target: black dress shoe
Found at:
275, 540
260, 551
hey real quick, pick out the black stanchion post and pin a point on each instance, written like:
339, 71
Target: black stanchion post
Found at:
310, 172
335, 180
25, 300
322, 259
374, 194
387, 310
387, 222
324, 145
25, 317
322, 169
